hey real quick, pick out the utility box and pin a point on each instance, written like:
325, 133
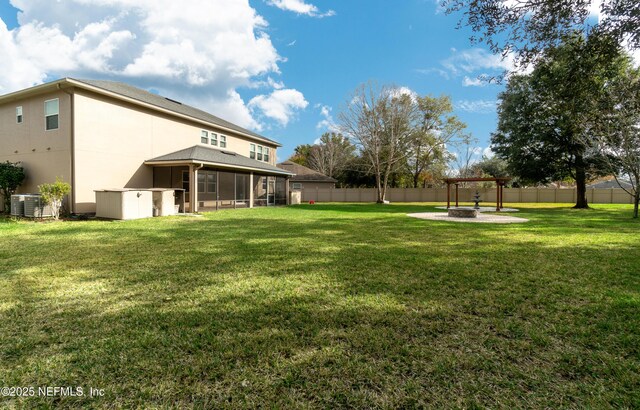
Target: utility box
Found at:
124, 203
295, 197
164, 200
17, 205
34, 207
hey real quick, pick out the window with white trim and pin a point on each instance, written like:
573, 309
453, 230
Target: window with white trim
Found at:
252, 151
223, 141
214, 139
259, 153
266, 154
51, 114
204, 137
19, 115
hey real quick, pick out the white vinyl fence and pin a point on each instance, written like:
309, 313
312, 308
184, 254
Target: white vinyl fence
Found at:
513, 195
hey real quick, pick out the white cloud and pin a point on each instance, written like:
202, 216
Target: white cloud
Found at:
443, 73
300, 7
477, 106
148, 43
473, 62
473, 82
475, 59
399, 91
487, 152
280, 105
327, 122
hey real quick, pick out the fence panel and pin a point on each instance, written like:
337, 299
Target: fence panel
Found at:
488, 195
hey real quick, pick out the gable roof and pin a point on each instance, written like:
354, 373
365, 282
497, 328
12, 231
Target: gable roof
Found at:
142, 97
303, 173
216, 157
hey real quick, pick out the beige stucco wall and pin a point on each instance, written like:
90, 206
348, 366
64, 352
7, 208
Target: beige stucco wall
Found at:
114, 138
44, 154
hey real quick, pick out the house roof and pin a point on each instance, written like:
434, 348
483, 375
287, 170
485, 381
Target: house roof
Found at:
303, 173
215, 157
142, 97
612, 183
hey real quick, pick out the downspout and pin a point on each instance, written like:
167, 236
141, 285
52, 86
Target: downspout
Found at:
72, 141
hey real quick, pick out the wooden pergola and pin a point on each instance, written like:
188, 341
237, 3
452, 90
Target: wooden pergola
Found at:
500, 182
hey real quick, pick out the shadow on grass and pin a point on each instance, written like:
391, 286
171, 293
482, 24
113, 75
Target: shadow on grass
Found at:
294, 307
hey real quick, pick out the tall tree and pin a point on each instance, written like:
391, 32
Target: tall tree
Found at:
378, 121
541, 128
616, 131
435, 129
301, 154
529, 27
331, 155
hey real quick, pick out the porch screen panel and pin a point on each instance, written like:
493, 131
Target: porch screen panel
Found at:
281, 193
226, 188
242, 188
259, 190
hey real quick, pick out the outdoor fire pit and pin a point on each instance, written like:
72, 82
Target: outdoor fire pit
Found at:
463, 213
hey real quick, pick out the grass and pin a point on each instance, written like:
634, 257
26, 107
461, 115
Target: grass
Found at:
325, 306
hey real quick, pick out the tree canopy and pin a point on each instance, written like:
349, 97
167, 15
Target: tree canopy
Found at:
542, 131
11, 177
529, 27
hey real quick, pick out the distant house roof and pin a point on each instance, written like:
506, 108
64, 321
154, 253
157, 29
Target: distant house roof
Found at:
304, 174
612, 183
220, 158
134, 94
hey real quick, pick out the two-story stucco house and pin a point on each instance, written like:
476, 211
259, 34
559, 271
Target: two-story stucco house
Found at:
104, 134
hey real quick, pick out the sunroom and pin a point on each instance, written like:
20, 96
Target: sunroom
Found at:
216, 179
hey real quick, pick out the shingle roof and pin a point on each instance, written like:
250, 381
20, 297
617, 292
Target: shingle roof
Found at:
168, 104
303, 173
217, 157
610, 184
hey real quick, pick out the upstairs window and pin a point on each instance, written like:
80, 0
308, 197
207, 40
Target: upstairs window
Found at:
204, 137
19, 115
252, 151
51, 113
266, 154
259, 152
223, 141
214, 139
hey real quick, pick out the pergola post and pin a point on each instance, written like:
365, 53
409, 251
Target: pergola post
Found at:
498, 196
448, 194
456, 195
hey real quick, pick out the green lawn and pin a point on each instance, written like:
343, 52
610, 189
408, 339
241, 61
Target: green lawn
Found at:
325, 306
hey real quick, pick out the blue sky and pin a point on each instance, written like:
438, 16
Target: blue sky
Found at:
281, 67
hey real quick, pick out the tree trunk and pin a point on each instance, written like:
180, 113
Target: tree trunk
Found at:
635, 203
581, 184
416, 177
380, 192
